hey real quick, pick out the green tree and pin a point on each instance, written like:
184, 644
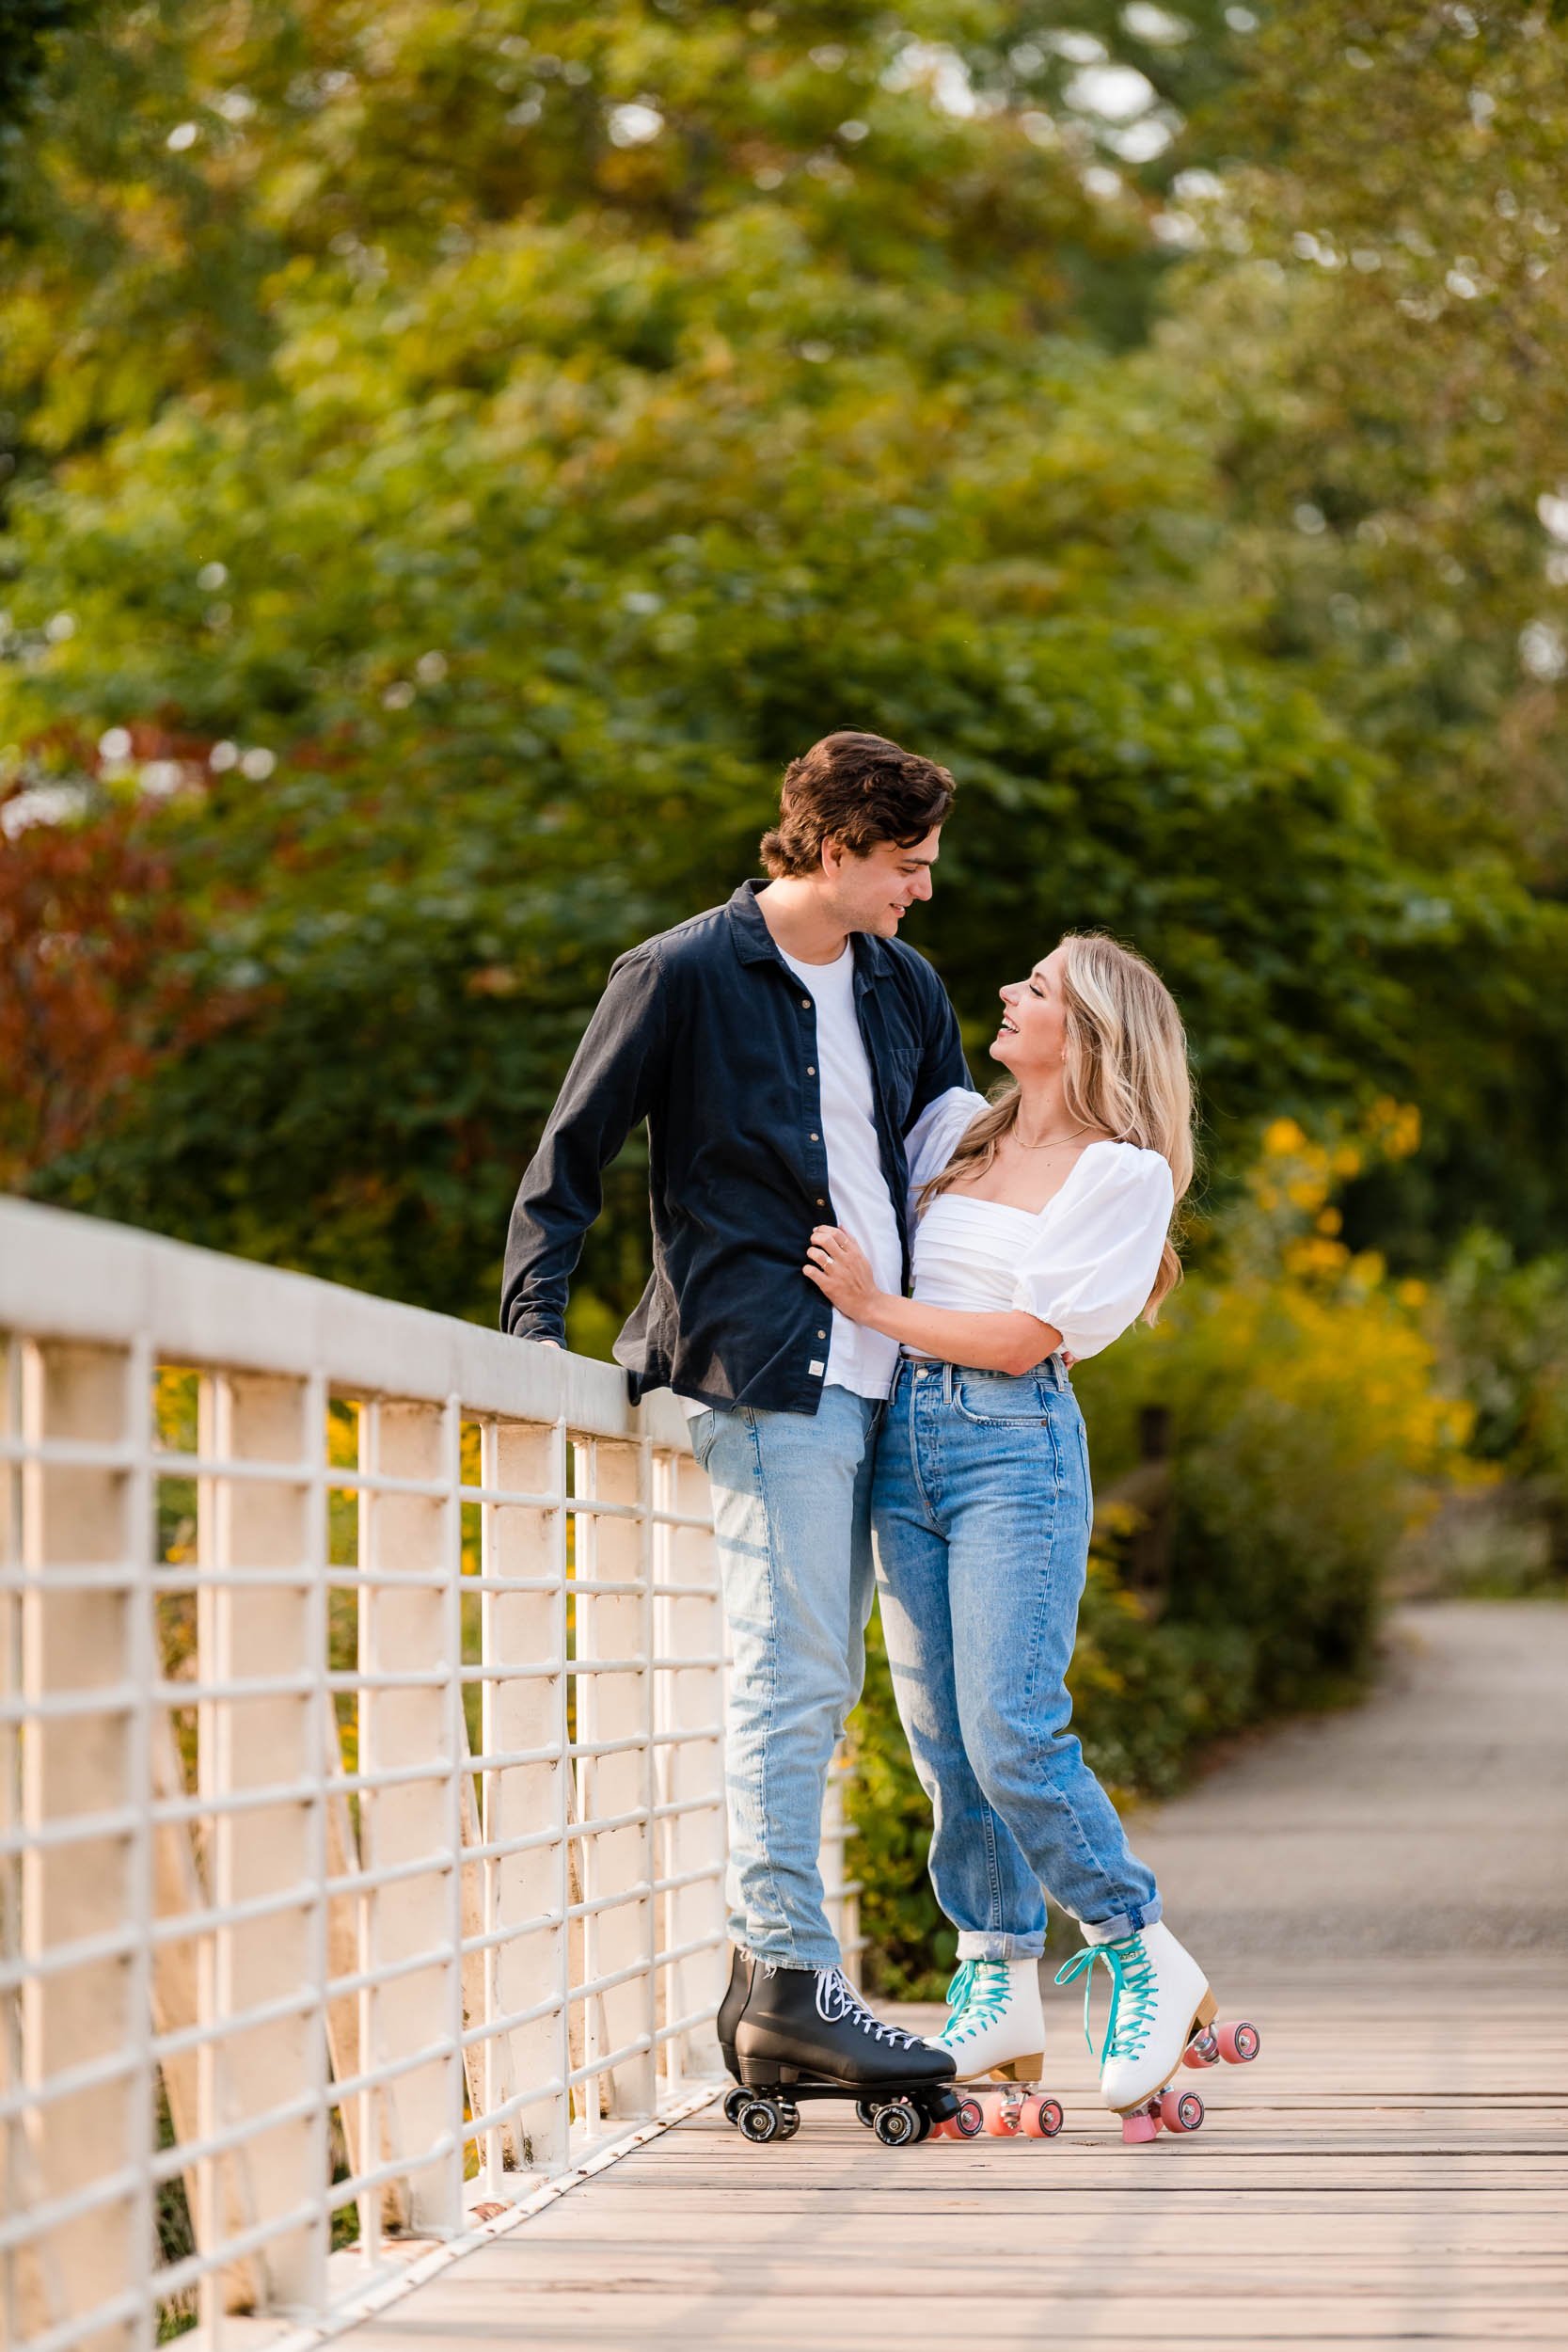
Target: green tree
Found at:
587, 412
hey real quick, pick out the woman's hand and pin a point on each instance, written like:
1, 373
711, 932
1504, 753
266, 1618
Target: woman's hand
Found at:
842, 1271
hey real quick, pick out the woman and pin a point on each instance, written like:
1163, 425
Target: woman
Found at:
1044, 1230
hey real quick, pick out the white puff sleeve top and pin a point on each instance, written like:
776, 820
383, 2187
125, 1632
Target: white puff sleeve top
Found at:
1085, 1263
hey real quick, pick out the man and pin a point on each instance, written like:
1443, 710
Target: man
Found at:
778, 1047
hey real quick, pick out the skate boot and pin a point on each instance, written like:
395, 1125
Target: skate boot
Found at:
789, 2034
996, 2032
1162, 2012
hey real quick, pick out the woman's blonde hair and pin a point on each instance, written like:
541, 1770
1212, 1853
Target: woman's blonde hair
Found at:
1125, 1073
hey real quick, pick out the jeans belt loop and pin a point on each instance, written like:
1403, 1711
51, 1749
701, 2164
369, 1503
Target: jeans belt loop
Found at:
947, 1386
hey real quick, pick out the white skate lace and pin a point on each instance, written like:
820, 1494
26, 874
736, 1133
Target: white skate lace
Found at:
837, 2002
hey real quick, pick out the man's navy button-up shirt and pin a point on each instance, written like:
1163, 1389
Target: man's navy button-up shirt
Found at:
705, 1033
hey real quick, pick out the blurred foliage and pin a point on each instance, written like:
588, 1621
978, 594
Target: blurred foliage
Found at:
1317, 1417
1509, 1324
460, 453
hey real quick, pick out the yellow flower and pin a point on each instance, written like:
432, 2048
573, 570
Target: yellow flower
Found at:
1281, 1137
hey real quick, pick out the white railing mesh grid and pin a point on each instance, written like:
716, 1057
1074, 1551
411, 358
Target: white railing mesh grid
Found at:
362, 1832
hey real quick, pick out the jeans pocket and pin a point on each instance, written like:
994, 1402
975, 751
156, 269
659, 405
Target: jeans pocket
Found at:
1000, 1404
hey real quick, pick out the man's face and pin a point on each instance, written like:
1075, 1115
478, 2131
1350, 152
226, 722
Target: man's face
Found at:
875, 892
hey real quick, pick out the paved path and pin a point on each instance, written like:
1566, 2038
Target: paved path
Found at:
1391, 2171
1434, 1819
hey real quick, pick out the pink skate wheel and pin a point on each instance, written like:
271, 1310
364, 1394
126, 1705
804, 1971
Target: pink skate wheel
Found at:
1042, 2118
969, 2122
1135, 2129
1001, 2121
1180, 2110
1237, 2044
1202, 2050
943, 2130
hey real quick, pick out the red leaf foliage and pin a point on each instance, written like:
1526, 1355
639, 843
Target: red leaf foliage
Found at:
96, 981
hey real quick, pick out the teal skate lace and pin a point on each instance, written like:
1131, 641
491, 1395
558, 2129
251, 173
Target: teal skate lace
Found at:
977, 1997
1132, 1995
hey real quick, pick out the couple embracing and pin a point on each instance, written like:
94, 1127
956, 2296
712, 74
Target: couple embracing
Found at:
868, 1283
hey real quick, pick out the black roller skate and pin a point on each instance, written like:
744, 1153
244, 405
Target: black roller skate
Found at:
791, 2034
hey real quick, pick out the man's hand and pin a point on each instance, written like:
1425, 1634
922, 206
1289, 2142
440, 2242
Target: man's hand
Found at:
841, 1270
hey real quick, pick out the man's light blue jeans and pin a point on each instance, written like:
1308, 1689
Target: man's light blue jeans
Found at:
981, 1511
792, 1512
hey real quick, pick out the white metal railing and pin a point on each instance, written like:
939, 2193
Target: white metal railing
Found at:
361, 1825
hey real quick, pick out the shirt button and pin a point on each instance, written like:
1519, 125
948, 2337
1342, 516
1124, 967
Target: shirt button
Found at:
822, 1335
813, 1139
821, 1203
811, 1069
805, 1004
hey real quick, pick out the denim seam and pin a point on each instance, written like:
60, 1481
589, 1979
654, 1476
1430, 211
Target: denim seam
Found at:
993, 1868
916, 1471
1055, 1794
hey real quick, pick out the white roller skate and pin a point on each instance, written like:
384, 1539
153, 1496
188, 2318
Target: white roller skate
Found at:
1162, 2014
996, 2032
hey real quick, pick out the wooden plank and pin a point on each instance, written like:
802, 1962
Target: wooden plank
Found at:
1341, 2193
1393, 2169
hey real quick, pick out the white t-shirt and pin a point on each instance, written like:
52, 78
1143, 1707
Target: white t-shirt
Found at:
856, 1358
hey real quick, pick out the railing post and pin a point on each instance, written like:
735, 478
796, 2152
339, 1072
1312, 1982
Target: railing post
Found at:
689, 1622
262, 1525
527, 1630
404, 1630
617, 1863
74, 1636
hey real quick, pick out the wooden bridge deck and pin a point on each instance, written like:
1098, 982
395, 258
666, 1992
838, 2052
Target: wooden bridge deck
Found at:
1391, 2171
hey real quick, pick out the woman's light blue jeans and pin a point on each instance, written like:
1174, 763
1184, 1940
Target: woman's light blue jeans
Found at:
792, 1517
980, 1511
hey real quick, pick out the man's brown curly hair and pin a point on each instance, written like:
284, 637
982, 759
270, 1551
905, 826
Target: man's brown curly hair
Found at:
859, 790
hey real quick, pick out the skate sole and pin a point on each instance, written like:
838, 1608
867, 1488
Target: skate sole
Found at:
802, 2082
1020, 2070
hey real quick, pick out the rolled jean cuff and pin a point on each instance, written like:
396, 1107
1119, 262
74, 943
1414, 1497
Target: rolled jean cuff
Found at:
807, 1962
973, 1944
1125, 1923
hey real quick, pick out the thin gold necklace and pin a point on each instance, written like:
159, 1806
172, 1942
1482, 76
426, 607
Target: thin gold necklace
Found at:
1052, 1144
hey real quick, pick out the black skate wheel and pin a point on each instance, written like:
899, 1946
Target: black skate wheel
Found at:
760, 2121
896, 2125
733, 2101
926, 2125
866, 2111
789, 2122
